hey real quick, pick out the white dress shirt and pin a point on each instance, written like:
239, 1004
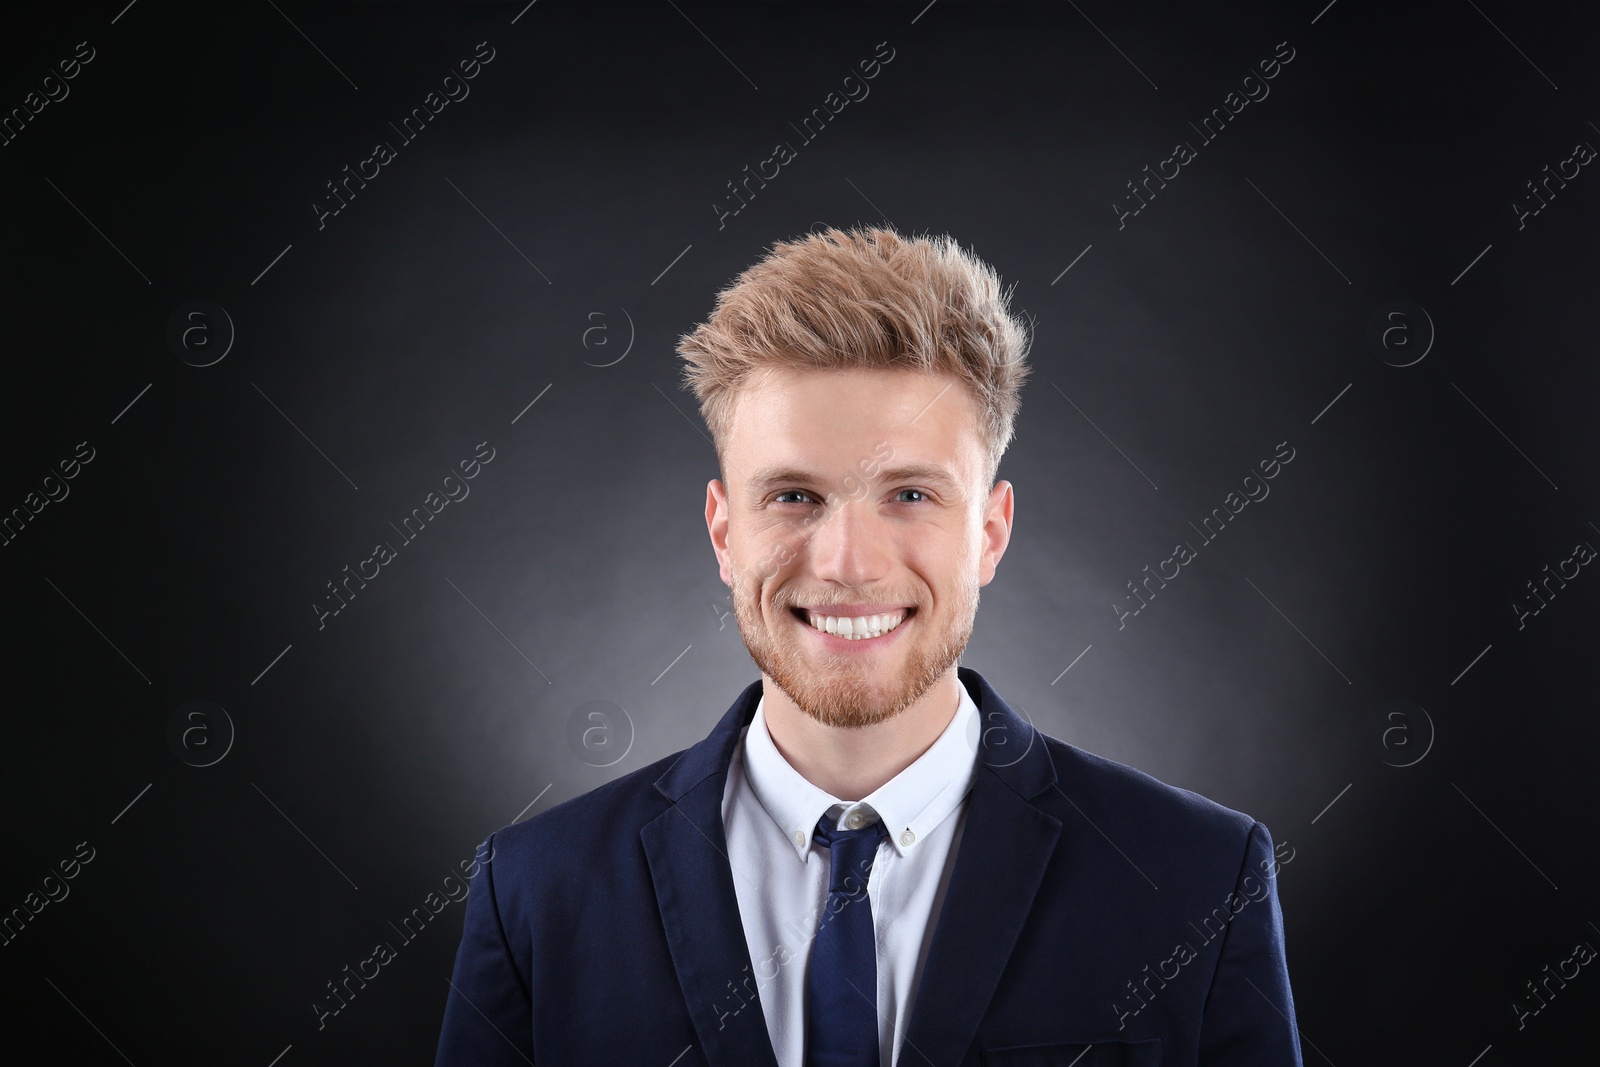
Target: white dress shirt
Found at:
781, 876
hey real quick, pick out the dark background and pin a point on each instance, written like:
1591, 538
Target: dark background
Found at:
564, 209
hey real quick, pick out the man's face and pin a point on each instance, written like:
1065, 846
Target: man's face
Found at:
854, 494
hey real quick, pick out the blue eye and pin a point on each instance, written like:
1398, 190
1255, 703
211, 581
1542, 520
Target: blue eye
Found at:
779, 498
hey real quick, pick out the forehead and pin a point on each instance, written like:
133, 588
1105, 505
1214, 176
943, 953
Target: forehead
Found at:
828, 420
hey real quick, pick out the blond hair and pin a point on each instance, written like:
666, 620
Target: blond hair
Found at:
864, 299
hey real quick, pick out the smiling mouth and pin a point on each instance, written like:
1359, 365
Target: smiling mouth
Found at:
854, 628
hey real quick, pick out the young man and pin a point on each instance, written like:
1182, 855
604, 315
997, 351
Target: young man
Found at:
871, 859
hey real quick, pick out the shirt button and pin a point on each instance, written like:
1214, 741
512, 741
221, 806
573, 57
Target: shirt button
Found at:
853, 820
800, 838
906, 837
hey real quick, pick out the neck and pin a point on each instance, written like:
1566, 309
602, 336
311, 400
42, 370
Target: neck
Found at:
852, 764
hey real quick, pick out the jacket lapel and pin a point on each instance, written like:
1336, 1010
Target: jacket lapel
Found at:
688, 854
1004, 850
1001, 858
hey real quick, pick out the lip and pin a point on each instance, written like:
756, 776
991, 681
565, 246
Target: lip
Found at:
835, 643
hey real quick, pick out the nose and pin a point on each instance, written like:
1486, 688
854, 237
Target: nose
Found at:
850, 543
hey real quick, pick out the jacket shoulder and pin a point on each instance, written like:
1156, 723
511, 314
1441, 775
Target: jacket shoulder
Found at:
586, 828
1104, 781
1191, 837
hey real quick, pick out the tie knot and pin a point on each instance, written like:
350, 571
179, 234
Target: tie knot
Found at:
851, 854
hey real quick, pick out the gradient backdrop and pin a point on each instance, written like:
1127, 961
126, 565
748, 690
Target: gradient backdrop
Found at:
223, 385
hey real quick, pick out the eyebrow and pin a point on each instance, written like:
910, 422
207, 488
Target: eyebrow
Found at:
929, 473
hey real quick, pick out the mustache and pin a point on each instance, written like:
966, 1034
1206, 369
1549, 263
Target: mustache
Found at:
822, 604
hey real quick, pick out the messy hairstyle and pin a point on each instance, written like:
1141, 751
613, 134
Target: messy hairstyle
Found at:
863, 299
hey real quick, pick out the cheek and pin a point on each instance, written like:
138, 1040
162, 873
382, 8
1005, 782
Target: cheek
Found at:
941, 550
949, 564
779, 549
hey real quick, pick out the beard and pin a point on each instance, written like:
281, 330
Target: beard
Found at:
849, 690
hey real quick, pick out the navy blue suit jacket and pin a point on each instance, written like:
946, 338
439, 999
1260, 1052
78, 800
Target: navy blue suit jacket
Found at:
1095, 916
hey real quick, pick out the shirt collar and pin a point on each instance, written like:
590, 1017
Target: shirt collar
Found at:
911, 804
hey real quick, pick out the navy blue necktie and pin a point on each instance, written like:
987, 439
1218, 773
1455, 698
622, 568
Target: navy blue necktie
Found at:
842, 978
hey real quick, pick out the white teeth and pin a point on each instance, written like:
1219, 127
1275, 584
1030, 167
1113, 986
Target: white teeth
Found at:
858, 627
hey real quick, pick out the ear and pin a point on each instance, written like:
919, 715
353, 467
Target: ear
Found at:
717, 527
996, 530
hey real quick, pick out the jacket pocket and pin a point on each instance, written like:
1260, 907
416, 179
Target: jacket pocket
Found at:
1076, 1054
